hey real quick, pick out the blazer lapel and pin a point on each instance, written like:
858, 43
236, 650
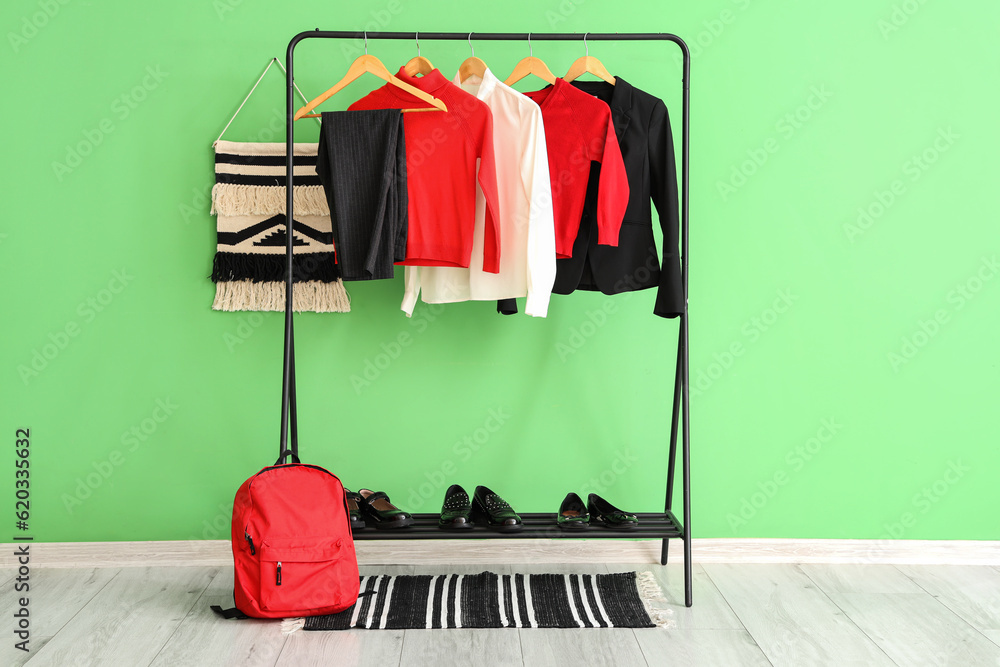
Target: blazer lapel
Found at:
621, 106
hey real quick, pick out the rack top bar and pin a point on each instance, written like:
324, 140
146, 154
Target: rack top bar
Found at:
500, 36
512, 36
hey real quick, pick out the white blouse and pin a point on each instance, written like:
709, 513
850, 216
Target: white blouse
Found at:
527, 227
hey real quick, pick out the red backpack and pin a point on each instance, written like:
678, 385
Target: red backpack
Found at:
292, 546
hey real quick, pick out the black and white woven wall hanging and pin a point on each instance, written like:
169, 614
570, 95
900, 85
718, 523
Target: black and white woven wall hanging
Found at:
249, 199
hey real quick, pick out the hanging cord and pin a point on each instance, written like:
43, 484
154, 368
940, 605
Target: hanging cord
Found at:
585, 47
472, 48
259, 79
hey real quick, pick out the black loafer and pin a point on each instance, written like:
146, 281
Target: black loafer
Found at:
573, 513
493, 511
379, 512
357, 523
604, 513
456, 512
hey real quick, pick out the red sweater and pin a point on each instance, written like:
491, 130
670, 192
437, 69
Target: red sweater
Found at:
578, 130
441, 152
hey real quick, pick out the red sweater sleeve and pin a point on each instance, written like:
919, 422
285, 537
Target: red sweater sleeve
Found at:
612, 191
488, 183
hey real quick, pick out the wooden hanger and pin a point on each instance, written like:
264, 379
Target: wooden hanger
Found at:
419, 64
589, 64
472, 66
371, 65
531, 65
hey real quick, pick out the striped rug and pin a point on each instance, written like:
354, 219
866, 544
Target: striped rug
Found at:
489, 600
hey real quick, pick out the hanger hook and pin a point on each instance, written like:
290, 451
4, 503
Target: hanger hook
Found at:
529, 45
366, 42
472, 48
585, 47
416, 36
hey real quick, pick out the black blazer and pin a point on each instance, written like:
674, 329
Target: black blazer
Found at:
643, 129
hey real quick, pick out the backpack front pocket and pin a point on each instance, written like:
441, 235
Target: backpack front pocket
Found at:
299, 574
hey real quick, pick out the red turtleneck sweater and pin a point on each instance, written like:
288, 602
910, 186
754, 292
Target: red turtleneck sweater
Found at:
578, 130
441, 153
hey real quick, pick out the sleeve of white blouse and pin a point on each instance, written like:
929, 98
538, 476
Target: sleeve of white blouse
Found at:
411, 290
541, 223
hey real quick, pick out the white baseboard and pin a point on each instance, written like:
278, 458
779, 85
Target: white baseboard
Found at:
887, 552
382, 552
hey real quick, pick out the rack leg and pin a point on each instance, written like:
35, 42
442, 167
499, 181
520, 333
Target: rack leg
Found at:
672, 455
291, 407
683, 354
288, 373
686, 461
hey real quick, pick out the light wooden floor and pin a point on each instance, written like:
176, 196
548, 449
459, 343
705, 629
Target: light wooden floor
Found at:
744, 614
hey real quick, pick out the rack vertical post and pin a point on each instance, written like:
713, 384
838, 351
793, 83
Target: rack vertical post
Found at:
662, 526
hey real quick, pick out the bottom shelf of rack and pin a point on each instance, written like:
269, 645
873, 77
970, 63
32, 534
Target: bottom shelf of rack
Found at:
536, 525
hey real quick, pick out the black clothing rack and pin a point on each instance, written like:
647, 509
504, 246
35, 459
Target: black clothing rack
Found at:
536, 525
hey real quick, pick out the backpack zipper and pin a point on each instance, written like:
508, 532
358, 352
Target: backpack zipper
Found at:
278, 576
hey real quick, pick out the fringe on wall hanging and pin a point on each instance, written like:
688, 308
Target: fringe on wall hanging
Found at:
249, 199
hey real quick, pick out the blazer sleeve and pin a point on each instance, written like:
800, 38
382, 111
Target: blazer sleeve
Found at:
488, 183
612, 190
663, 190
541, 223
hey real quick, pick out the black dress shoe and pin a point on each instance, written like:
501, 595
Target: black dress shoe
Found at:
357, 523
604, 513
572, 513
457, 510
379, 512
493, 511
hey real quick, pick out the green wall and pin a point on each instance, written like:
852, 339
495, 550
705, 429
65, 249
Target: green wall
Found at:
845, 296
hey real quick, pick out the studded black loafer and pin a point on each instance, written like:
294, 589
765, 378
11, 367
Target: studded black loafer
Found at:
573, 513
379, 512
357, 523
456, 512
492, 511
605, 514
